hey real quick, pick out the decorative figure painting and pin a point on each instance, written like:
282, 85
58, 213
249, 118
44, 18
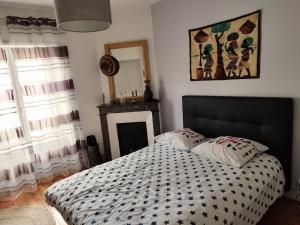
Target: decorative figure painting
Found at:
226, 50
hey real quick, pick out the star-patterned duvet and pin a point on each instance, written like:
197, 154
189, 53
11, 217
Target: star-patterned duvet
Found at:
162, 185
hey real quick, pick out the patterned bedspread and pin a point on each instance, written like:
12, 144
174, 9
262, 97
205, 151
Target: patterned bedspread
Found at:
161, 185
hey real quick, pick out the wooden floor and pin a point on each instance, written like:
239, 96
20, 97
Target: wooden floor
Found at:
284, 212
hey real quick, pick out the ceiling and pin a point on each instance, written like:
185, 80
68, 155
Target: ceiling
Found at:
115, 4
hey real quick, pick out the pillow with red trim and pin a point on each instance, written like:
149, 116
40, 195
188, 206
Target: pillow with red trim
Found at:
234, 151
182, 139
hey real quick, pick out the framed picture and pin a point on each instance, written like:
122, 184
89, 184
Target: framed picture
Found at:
226, 50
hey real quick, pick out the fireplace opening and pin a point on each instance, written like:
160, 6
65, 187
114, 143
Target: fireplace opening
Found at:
132, 137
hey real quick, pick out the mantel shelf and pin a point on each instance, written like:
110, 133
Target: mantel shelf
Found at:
129, 107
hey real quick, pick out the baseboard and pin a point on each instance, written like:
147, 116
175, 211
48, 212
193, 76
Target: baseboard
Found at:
294, 193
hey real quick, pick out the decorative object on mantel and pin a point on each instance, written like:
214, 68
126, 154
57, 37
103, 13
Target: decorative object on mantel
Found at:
231, 49
83, 15
109, 65
148, 95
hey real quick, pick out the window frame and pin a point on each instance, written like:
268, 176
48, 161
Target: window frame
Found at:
17, 90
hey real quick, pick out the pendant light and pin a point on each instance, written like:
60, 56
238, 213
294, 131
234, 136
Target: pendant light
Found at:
82, 15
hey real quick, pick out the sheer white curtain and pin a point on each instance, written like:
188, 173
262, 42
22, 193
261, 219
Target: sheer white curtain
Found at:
42, 135
51, 111
16, 168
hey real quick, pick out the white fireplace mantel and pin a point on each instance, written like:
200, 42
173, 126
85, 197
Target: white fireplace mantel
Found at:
139, 111
127, 117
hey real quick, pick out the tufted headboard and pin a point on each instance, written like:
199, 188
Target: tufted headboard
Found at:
266, 120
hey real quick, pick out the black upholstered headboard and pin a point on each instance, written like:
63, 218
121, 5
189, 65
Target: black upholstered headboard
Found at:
266, 120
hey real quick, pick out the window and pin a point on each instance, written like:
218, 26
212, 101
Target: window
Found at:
11, 129
40, 129
36, 94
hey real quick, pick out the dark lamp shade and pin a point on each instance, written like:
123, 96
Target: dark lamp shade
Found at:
83, 15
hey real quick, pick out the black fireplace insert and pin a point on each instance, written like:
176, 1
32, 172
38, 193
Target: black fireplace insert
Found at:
132, 137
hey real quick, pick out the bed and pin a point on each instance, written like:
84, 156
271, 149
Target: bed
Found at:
163, 185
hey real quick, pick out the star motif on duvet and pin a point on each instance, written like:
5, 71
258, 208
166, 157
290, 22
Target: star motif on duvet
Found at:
162, 185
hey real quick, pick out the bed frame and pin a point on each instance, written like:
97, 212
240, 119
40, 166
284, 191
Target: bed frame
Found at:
266, 120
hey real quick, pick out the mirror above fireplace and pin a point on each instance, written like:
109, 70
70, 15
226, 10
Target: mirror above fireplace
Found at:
134, 70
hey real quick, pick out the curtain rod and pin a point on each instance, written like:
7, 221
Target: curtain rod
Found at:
26, 45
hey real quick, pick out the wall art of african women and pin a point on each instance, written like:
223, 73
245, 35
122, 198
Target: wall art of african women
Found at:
226, 50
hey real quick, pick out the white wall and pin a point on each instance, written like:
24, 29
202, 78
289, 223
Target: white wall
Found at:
280, 55
87, 49
84, 68
85, 52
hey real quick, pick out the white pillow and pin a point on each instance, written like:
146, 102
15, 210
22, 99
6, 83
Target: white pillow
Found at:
259, 147
182, 139
233, 151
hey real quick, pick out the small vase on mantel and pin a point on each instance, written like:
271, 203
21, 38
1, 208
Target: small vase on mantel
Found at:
148, 95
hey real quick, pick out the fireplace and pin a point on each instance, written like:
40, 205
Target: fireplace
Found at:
132, 137
141, 118
113, 119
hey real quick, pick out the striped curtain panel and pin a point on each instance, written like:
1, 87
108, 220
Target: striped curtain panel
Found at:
40, 131
10, 129
31, 31
16, 168
51, 110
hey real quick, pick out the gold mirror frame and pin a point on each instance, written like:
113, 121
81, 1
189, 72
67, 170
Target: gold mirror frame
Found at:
128, 44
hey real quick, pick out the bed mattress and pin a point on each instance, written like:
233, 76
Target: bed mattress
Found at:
163, 185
